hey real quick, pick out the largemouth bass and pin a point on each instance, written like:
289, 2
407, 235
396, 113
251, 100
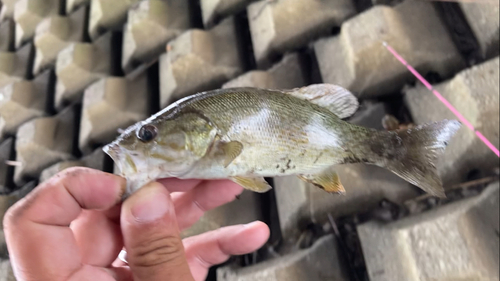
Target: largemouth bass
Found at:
246, 134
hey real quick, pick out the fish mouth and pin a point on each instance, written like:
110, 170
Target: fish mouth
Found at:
114, 151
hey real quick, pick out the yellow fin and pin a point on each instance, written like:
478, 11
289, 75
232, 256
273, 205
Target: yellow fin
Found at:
231, 150
327, 180
257, 184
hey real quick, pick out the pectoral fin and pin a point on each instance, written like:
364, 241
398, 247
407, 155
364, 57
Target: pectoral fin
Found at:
327, 180
257, 184
332, 97
231, 150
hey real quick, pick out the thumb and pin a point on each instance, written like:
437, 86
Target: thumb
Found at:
151, 236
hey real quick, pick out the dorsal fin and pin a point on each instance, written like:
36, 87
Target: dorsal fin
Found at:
335, 98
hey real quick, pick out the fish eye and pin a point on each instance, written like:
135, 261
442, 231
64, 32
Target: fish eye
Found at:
147, 133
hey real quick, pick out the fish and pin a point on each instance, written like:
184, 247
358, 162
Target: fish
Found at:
247, 134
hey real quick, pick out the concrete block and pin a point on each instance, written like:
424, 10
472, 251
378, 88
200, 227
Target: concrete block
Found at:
22, 101
72, 5
484, 21
43, 142
475, 94
108, 15
14, 66
213, 10
458, 241
199, 60
6, 171
95, 160
150, 25
6, 272
54, 34
110, 104
287, 74
29, 13
6, 35
357, 60
369, 114
7, 9
243, 210
282, 25
78, 66
322, 261
7, 200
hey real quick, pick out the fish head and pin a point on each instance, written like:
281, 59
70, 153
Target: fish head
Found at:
160, 148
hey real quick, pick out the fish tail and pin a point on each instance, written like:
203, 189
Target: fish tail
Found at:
412, 154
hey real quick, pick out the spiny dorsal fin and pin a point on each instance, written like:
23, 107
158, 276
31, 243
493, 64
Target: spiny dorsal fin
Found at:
335, 98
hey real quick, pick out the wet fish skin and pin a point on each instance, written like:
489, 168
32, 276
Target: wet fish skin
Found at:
246, 134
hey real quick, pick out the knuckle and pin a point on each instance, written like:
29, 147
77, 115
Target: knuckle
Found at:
159, 250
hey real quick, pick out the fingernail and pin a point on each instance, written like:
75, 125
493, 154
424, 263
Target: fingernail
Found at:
150, 205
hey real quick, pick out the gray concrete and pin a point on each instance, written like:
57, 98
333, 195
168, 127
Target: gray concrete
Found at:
212, 10
484, 21
475, 94
458, 241
282, 25
55, 33
6, 35
7, 9
22, 101
95, 160
6, 273
72, 5
14, 65
244, 210
6, 171
28, 14
320, 262
150, 25
43, 142
108, 15
75, 71
199, 60
357, 60
108, 105
286, 74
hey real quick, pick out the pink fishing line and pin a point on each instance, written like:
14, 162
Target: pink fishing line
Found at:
442, 99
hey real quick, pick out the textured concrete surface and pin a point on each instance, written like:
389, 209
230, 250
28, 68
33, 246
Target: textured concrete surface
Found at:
287, 74
78, 66
43, 142
6, 171
55, 33
14, 66
28, 14
357, 60
213, 10
6, 273
7, 9
484, 21
107, 15
72, 5
22, 101
94, 160
458, 241
6, 35
108, 105
475, 94
278, 26
320, 262
150, 25
247, 206
199, 60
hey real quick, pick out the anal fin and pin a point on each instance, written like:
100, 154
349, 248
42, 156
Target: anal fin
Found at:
327, 180
257, 184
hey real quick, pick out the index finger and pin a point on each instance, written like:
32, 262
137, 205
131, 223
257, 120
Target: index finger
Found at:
38, 236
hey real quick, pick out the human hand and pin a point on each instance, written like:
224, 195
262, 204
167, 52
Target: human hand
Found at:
73, 226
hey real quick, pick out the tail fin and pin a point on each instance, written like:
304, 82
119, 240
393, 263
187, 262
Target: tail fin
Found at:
417, 155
